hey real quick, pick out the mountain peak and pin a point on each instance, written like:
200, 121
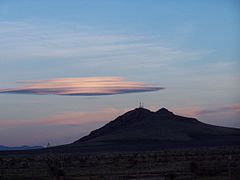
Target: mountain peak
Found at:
136, 114
141, 109
164, 111
141, 124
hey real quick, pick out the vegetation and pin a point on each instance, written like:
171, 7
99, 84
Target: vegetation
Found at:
204, 163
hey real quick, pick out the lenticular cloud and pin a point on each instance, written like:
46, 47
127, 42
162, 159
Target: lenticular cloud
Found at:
85, 86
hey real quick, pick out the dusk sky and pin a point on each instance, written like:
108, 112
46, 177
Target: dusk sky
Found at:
68, 67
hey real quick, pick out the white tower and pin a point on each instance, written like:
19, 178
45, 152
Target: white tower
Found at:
141, 105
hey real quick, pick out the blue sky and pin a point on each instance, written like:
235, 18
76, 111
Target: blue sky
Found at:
189, 47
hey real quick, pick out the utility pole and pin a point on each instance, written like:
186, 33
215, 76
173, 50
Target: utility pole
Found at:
229, 167
48, 144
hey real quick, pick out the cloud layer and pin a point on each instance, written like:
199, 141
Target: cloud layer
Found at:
223, 115
59, 128
85, 86
21, 41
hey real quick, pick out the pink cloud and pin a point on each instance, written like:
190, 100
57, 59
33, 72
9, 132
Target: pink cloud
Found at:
222, 115
60, 128
76, 118
196, 111
68, 118
220, 109
85, 86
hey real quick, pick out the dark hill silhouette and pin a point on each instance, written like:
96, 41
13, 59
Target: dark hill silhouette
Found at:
162, 128
144, 130
7, 148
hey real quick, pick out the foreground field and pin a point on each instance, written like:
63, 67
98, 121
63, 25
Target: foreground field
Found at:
201, 163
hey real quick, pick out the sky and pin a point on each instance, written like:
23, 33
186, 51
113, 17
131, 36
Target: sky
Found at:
69, 67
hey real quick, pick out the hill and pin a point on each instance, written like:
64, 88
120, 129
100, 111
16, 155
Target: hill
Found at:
7, 148
141, 128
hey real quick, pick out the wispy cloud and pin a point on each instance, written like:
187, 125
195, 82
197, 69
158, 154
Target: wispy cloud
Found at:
31, 41
68, 118
198, 111
223, 115
221, 109
64, 127
85, 86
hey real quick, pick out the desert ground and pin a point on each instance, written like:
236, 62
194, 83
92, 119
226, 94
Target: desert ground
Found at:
216, 163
